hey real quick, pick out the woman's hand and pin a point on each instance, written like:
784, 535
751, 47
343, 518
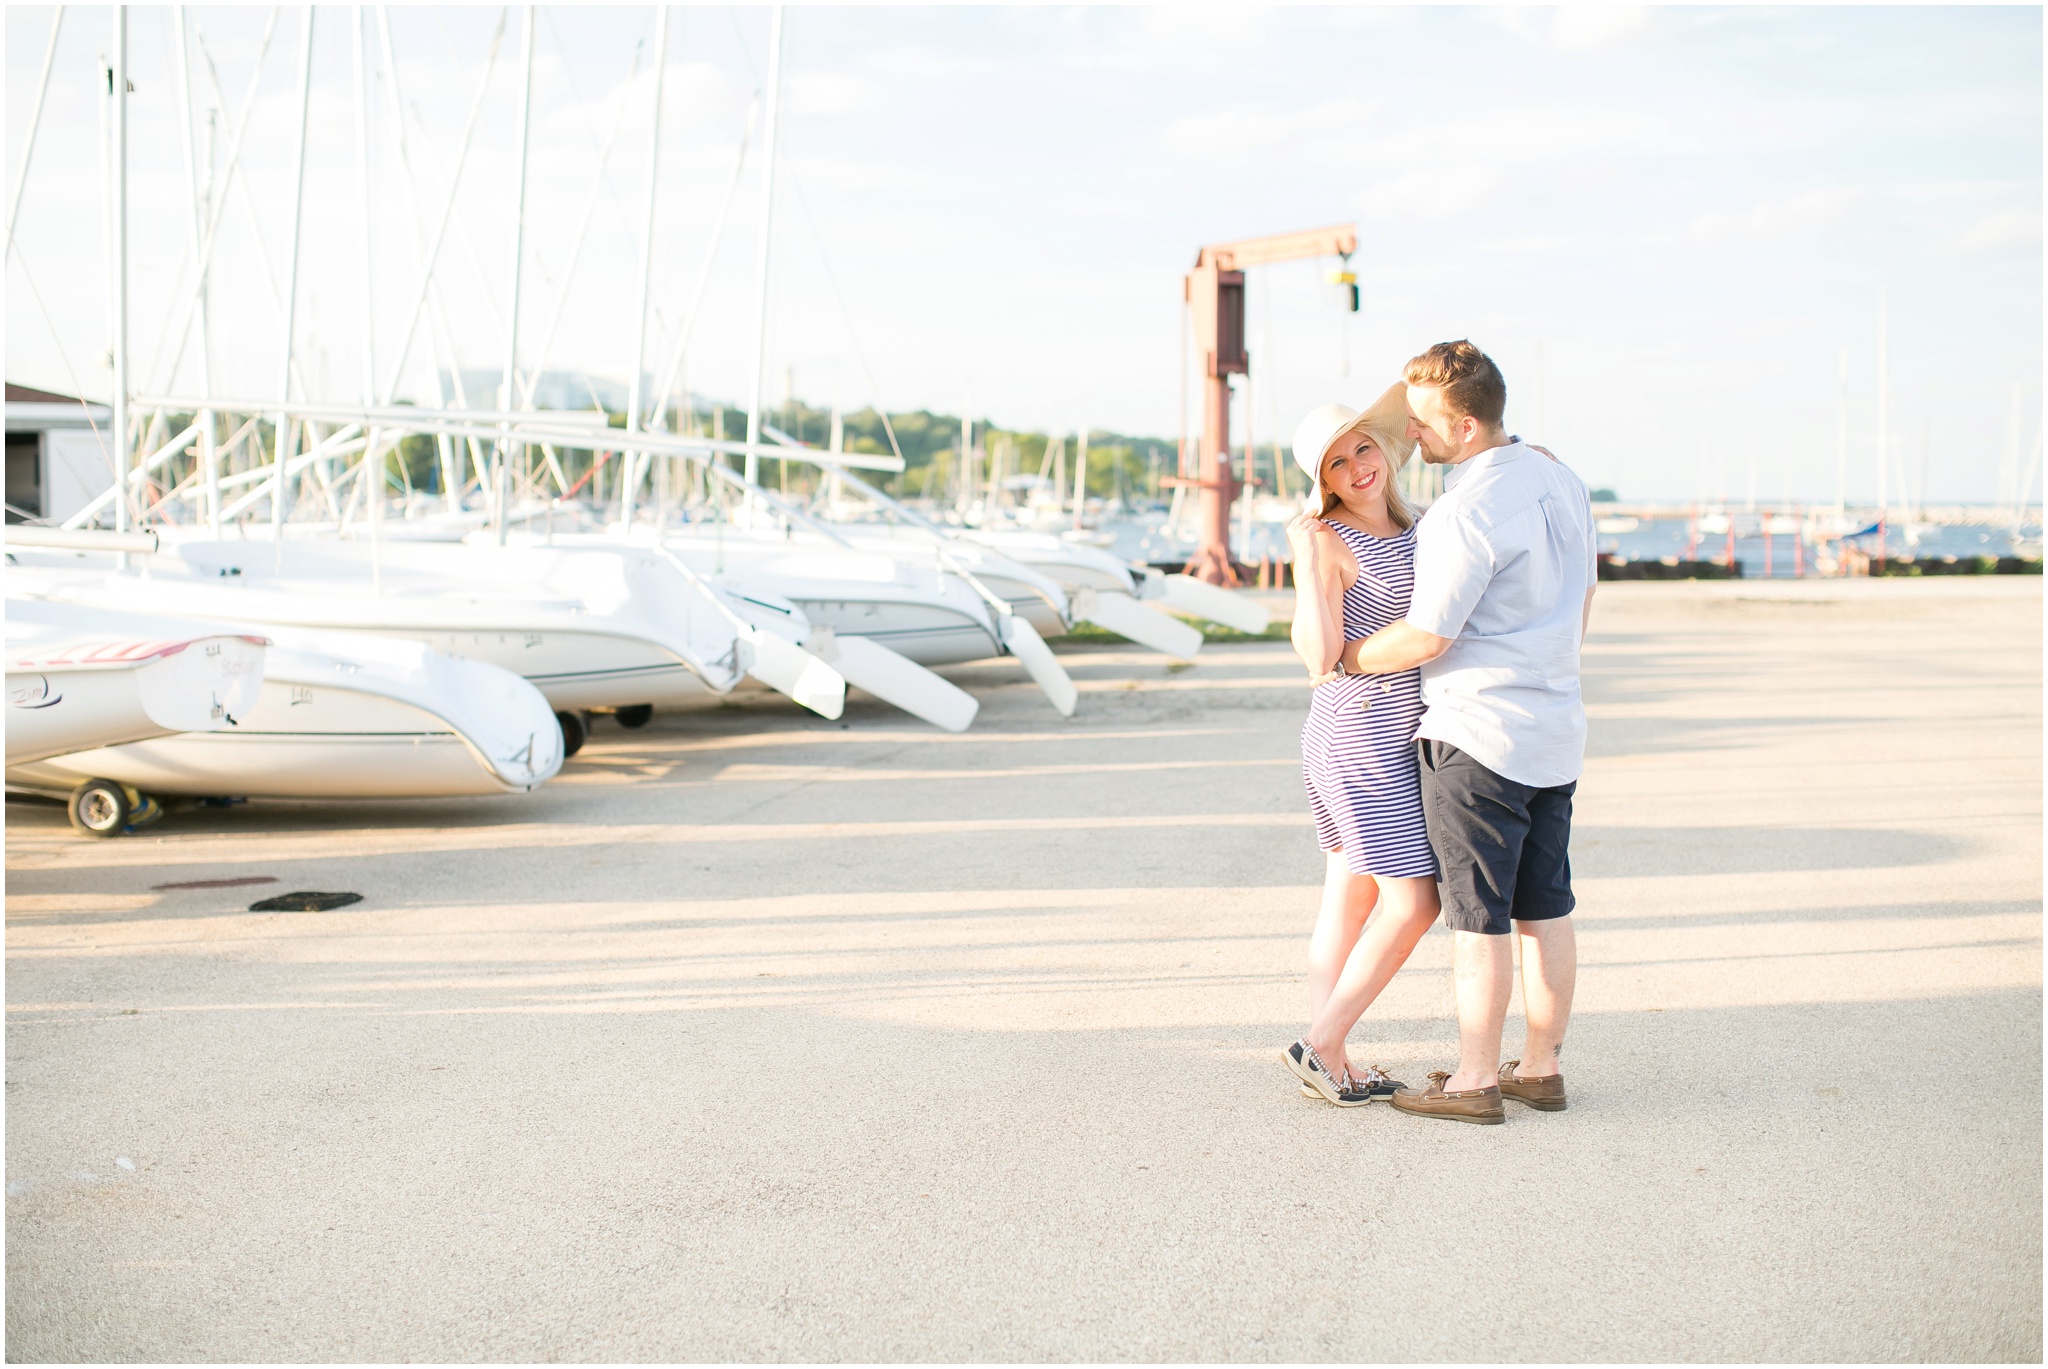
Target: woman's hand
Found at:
1302, 531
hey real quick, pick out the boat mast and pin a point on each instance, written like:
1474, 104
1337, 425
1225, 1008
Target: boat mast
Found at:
636, 396
1842, 433
291, 289
504, 481
753, 471
120, 197
441, 350
209, 458
368, 388
1080, 474
1884, 405
373, 454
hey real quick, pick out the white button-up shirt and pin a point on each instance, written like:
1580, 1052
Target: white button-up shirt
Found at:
1503, 561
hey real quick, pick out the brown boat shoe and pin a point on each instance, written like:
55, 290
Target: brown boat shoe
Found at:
1544, 1092
1482, 1106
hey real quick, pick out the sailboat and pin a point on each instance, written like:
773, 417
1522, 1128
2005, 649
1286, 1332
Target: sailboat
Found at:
1098, 587
79, 678
589, 629
341, 715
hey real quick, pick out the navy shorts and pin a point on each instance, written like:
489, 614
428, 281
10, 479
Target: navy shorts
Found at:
1503, 848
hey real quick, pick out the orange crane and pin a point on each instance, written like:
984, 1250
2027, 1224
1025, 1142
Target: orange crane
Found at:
1214, 292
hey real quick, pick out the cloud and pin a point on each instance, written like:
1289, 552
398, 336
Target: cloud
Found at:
1437, 192
926, 64
1586, 30
1523, 131
2009, 228
1579, 30
1240, 132
1168, 37
829, 92
1772, 219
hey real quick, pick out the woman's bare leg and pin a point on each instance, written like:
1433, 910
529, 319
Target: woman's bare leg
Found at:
1407, 908
1348, 901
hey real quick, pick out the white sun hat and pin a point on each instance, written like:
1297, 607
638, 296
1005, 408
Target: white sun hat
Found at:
1314, 434
1387, 420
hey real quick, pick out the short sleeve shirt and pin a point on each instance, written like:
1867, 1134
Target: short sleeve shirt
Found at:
1503, 561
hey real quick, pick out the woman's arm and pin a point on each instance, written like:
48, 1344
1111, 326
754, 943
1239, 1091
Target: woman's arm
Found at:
1319, 585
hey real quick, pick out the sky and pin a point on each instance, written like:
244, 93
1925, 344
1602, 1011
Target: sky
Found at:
1674, 228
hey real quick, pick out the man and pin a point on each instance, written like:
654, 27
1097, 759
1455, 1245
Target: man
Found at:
1504, 574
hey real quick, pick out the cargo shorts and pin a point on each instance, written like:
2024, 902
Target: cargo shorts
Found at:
1503, 848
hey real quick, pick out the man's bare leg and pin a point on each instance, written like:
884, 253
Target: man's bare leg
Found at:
1485, 981
1550, 972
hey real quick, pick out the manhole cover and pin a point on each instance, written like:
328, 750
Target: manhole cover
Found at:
304, 902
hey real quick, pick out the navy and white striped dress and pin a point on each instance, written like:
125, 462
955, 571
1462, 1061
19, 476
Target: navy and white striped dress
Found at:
1358, 745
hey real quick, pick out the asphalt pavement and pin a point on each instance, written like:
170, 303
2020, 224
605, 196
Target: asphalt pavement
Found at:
754, 1036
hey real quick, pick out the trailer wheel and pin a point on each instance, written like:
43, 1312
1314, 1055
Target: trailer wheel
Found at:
99, 808
635, 715
573, 733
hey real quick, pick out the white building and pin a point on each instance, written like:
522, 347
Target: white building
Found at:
60, 454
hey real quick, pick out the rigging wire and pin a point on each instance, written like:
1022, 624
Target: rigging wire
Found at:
604, 153
846, 315
611, 186
789, 171
231, 180
28, 277
674, 372
532, 252
34, 123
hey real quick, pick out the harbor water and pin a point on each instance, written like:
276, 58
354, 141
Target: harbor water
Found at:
1765, 545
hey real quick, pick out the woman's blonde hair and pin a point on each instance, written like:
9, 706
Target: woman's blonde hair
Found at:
1395, 448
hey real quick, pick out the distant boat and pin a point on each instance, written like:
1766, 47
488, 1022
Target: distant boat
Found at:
1617, 525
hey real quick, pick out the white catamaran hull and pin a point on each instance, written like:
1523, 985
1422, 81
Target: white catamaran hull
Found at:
912, 608
590, 630
79, 678
345, 716
1033, 597
922, 604
1081, 568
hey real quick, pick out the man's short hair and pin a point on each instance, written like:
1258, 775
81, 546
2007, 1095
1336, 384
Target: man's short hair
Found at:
1471, 383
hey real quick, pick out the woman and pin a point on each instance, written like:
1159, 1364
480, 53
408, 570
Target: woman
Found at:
1354, 569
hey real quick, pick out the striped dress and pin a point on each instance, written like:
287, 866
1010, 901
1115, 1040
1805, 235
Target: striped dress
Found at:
1358, 745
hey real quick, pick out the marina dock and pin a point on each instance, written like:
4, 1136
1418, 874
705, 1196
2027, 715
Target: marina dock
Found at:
757, 1035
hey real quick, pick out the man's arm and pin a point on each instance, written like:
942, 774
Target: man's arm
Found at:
1394, 648
1452, 567
1586, 618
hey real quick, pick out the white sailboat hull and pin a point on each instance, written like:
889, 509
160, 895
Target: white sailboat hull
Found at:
1100, 588
578, 670
419, 763
589, 631
1034, 597
79, 678
345, 716
913, 609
